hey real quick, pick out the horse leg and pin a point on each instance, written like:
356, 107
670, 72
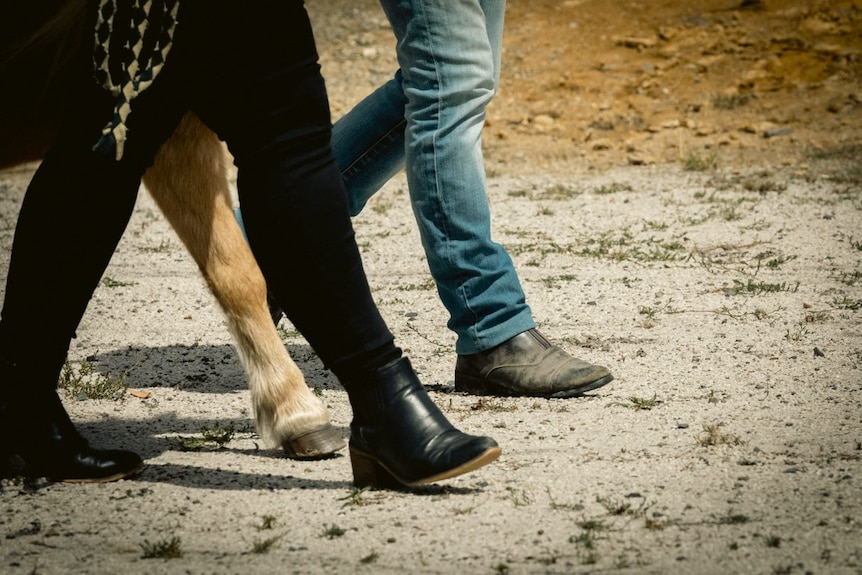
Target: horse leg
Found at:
189, 183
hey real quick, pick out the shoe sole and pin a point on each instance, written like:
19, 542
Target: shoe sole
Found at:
368, 471
108, 479
13, 466
477, 386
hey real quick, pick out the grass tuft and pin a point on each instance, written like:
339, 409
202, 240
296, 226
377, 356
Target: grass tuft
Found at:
84, 382
165, 549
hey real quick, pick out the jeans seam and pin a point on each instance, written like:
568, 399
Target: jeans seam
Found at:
364, 158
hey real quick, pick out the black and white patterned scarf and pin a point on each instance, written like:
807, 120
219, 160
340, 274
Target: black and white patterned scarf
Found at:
133, 38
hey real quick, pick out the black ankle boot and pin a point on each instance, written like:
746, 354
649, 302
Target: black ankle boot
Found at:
400, 438
36, 428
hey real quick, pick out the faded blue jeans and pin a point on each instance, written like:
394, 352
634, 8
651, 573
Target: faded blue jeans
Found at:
429, 119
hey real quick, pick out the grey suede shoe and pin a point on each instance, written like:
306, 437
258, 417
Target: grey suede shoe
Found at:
528, 365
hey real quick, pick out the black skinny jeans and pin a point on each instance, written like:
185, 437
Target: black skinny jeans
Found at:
250, 71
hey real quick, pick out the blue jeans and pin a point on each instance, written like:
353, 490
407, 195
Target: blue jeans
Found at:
429, 119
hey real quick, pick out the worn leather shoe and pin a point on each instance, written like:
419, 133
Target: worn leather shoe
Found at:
528, 365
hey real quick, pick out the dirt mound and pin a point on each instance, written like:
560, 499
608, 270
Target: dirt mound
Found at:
593, 83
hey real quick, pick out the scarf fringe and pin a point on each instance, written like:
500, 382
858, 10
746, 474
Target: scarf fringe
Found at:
146, 40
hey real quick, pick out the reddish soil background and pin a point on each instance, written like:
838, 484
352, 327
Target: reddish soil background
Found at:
754, 82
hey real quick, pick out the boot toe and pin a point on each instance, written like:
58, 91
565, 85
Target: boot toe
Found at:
95, 466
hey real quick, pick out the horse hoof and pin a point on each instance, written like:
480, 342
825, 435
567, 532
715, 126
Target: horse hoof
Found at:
319, 443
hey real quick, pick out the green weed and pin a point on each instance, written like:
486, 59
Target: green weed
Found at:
586, 546
639, 403
144, 491
623, 246
851, 278
333, 531
730, 213
165, 549
751, 287
652, 225
266, 522
219, 435
427, 285
614, 188
615, 507
211, 438
734, 519
592, 525
797, 334
492, 404
847, 303
553, 282
84, 382
519, 497
557, 192
762, 186
162, 248
729, 101
713, 436
381, 207
779, 261
355, 497
817, 316
695, 162
112, 283
260, 546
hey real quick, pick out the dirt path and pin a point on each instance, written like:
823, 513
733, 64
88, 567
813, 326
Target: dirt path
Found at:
726, 297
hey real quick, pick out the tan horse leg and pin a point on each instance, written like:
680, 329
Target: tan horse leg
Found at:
189, 183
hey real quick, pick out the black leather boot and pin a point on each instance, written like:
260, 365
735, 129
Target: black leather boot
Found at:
35, 428
399, 437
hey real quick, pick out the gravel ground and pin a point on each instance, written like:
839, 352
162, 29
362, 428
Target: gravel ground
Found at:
726, 301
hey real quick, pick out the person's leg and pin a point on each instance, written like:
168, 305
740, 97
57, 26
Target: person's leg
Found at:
369, 147
368, 142
449, 53
73, 215
266, 98
67, 230
448, 66
500, 351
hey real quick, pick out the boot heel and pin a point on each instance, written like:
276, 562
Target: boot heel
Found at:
367, 472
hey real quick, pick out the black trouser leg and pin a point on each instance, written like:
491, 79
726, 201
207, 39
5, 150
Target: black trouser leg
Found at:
71, 220
270, 106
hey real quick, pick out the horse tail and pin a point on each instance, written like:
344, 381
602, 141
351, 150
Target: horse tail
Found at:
41, 43
35, 31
